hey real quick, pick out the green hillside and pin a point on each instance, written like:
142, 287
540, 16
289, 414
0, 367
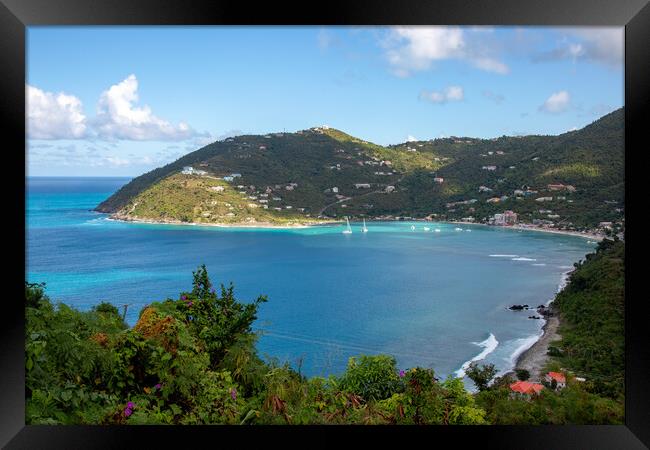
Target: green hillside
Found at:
315, 171
205, 200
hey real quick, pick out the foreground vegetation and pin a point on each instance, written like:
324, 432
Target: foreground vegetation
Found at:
192, 360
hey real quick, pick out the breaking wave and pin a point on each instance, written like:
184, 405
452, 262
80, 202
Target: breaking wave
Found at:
488, 345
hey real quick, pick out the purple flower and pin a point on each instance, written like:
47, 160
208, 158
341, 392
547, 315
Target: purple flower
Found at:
158, 386
127, 412
402, 374
130, 405
190, 304
183, 297
233, 394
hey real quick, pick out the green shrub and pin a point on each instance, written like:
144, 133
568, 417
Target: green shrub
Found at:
372, 377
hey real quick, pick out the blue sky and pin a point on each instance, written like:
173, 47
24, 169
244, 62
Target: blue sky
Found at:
106, 101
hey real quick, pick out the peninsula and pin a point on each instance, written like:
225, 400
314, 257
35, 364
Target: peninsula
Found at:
573, 182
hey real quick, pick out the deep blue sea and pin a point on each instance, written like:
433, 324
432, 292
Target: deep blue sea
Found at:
432, 299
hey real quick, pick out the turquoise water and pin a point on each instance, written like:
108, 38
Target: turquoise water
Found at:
429, 299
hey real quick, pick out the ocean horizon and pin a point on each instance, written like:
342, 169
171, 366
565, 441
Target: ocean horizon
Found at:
430, 299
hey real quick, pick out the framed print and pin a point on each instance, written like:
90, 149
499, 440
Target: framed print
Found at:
376, 221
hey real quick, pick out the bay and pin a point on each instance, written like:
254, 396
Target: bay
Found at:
431, 299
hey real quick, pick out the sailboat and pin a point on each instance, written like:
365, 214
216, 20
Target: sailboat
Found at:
364, 229
348, 230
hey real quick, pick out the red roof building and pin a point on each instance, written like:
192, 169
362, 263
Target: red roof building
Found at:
526, 387
559, 378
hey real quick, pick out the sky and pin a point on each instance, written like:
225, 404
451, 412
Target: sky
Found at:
120, 101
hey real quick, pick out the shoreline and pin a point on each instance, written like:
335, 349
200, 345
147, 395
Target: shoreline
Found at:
535, 357
266, 225
592, 236
219, 225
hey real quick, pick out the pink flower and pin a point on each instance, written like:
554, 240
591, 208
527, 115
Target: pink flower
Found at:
402, 374
233, 394
127, 412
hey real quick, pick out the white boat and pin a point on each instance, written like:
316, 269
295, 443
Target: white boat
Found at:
364, 229
348, 230
426, 228
458, 229
437, 230
412, 227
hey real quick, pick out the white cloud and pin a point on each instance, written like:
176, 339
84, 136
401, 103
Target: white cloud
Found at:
415, 48
558, 102
410, 138
450, 93
117, 162
54, 116
597, 44
118, 117
604, 45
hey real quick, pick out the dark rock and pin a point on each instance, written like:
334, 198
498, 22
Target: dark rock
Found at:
516, 307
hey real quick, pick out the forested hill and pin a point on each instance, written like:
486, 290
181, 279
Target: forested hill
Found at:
323, 172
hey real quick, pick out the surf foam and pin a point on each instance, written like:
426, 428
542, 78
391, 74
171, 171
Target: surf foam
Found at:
524, 344
488, 345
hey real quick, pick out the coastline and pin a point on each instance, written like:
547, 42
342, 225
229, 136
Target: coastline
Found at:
535, 357
114, 217
219, 225
595, 237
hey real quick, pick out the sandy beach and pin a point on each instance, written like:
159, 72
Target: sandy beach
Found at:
595, 237
222, 225
535, 358
592, 236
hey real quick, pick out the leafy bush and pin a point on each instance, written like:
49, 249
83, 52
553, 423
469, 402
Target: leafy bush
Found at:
481, 375
371, 377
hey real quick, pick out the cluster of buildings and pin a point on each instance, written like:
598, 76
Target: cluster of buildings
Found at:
189, 170
506, 218
232, 176
526, 389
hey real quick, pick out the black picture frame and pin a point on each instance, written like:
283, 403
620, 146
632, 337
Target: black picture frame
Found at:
16, 15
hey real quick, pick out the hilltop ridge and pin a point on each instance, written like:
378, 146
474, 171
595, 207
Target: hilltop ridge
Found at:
573, 180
